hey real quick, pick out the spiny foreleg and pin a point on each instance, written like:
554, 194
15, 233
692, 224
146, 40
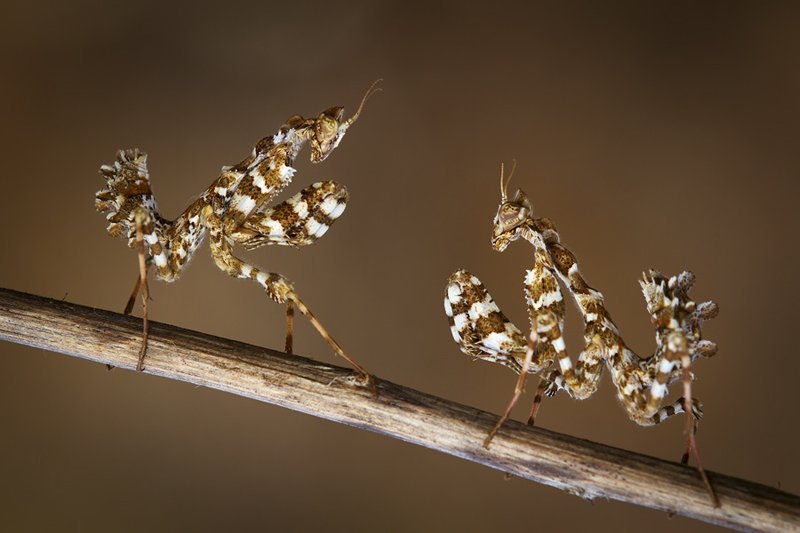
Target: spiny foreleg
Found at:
482, 331
601, 336
478, 326
299, 221
544, 296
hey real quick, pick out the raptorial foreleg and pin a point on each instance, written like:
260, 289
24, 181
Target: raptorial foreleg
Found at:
478, 326
482, 331
299, 221
601, 337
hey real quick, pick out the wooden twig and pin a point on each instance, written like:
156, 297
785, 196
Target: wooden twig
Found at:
577, 466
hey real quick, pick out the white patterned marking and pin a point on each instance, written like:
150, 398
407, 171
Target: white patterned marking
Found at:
301, 208
161, 259
328, 205
658, 390
547, 299
448, 308
274, 227
454, 293
498, 341
245, 205
460, 320
483, 309
338, 210
258, 181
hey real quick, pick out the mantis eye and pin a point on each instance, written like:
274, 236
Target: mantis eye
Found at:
326, 128
509, 212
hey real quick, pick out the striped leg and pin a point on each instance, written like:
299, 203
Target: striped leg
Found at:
277, 287
691, 428
299, 221
544, 296
601, 337
677, 319
546, 313
682, 406
482, 331
668, 411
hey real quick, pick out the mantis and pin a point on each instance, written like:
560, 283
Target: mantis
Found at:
233, 210
482, 331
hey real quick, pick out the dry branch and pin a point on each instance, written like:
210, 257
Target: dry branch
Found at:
577, 466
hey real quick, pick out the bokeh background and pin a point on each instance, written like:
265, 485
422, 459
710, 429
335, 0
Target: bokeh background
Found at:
655, 134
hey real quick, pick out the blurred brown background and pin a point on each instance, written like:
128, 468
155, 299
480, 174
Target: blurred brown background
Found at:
654, 134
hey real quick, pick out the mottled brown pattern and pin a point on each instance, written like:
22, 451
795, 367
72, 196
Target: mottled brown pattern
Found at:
475, 331
562, 258
640, 382
255, 232
238, 197
495, 322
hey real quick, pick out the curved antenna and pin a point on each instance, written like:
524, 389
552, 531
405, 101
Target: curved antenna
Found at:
504, 185
372, 90
502, 190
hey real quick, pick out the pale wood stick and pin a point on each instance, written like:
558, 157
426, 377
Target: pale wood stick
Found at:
584, 468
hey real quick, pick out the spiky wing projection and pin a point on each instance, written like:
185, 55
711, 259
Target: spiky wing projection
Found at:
127, 188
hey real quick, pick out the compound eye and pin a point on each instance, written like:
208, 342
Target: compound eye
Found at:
509, 212
326, 128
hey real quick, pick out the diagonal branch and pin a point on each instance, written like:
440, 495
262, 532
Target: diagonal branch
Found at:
580, 467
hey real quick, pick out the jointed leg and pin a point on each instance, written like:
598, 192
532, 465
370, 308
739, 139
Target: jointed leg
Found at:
544, 383
693, 409
545, 298
278, 288
481, 330
325, 335
691, 430
518, 389
134, 294
299, 221
140, 220
131, 303
289, 326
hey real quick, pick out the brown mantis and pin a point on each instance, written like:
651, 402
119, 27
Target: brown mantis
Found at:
483, 331
234, 209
